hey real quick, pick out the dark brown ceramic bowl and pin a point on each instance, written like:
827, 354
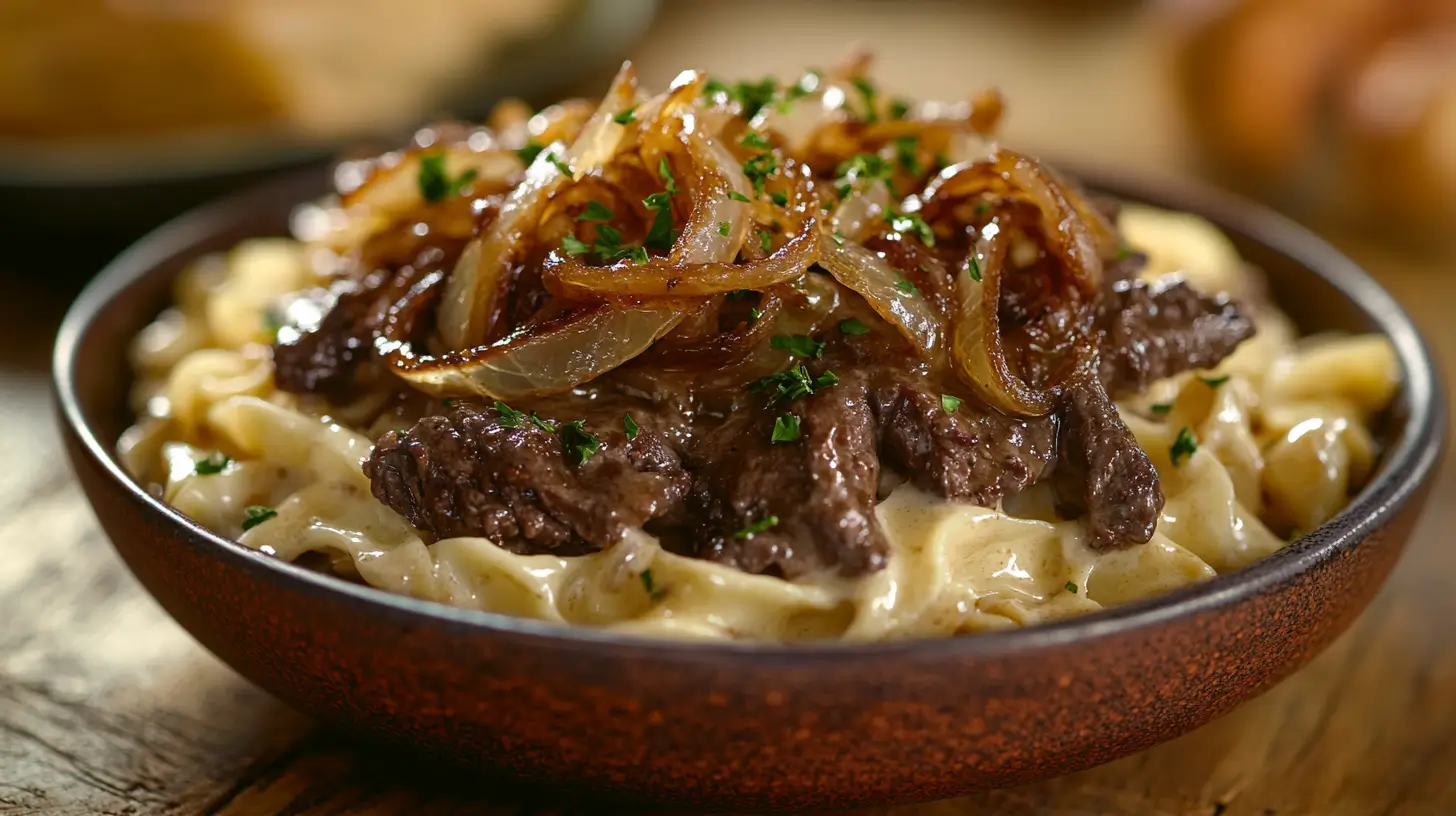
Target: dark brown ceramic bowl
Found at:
744, 725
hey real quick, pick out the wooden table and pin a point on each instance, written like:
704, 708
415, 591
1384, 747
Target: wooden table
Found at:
107, 706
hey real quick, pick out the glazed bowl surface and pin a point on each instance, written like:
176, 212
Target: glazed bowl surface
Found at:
738, 725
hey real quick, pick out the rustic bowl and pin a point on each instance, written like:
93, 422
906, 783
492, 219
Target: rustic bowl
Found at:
742, 725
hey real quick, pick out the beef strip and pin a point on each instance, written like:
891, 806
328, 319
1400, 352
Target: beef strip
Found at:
822, 488
1102, 473
1151, 331
463, 473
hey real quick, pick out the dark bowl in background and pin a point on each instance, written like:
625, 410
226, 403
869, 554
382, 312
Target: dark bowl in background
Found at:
743, 725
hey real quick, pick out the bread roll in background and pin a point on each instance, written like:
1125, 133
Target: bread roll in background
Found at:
1332, 109
99, 70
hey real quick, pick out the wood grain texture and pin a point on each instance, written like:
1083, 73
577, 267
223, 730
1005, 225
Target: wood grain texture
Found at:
106, 706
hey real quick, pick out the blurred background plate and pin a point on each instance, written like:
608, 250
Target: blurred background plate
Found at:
115, 114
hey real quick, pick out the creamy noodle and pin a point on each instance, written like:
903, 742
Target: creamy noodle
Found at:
1281, 445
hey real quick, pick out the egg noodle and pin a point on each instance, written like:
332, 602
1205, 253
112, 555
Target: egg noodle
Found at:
1281, 429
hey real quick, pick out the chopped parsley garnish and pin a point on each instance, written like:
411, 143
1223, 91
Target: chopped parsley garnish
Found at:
751, 96
754, 139
973, 267
529, 153
781, 199
447, 402
863, 165
949, 404
609, 242
805, 86
983, 207
906, 286
754, 314
580, 445
272, 322
435, 183
255, 514
838, 238
559, 163
509, 417
646, 576
595, 211
765, 240
630, 426
844, 190
1124, 252
724, 227
758, 169
659, 236
1214, 382
737, 196
1161, 407
1184, 446
785, 429
899, 108
575, 246
1071, 587
626, 117
800, 345
867, 91
765, 523
543, 424
795, 383
212, 465
741, 294
854, 327
905, 154
664, 172
912, 223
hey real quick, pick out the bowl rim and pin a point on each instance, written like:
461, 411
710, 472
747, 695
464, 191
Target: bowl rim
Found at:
1405, 467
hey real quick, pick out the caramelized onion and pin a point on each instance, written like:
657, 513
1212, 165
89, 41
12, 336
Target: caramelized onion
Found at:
472, 293
880, 284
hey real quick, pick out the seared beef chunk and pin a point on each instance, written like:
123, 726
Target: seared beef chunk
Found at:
1102, 473
464, 473
821, 488
974, 454
1149, 332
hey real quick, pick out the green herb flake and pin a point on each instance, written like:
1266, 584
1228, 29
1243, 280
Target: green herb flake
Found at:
973, 267
574, 246
626, 117
272, 322
1214, 382
755, 139
754, 314
899, 108
838, 238
630, 426
1184, 446
795, 383
741, 294
781, 199
560, 164
659, 236
905, 147
867, 92
646, 576
529, 153
800, 345
724, 227
785, 429
765, 523
543, 424
863, 166
448, 402
949, 404
1071, 587
765, 241
509, 417
580, 445
212, 465
853, 327
595, 211
906, 286
737, 196
664, 172
435, 183
1161, 408
983, 207
843, 190
256, 514
758, 169
1125, 252
912, 223
750, 96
